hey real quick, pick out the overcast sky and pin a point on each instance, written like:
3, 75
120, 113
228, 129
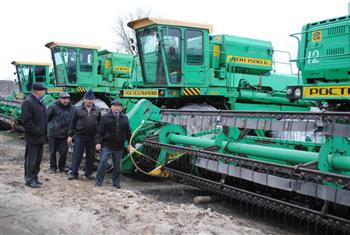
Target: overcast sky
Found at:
25, 26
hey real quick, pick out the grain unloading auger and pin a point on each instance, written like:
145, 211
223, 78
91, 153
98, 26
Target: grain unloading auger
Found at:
253, 157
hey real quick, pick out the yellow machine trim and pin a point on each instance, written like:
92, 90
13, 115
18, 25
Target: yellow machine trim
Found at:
216, 50
316, 36
56, 44
144, 93
191, 91
140, 23
107, 64
122, 69
248, 60
326, 91
81, 89
19, 95
55, 90
30, 63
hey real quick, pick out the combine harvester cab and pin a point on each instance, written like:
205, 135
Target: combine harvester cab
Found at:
79, 68
324, 63
30, 72
27, 73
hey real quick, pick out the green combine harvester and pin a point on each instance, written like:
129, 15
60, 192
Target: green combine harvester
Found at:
323, 60
27, 73
181, 64
269, 154
77, 68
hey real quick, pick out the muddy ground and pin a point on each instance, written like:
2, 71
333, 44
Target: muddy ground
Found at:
142, 206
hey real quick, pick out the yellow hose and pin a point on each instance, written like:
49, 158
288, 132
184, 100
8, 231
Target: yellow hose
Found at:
156, 171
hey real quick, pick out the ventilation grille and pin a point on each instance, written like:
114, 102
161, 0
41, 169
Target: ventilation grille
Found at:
335, 51
336, 30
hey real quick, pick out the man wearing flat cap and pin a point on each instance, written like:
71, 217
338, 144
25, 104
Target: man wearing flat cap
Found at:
59, 116
83, 127
33, 118
112, 133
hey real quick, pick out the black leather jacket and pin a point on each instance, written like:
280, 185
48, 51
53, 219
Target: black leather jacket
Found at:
83, 123
59, 117
113, 131
33, 119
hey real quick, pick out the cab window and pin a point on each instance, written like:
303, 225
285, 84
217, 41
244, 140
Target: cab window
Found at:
85, 60
172, 45
40, 73
70, 58
194, 47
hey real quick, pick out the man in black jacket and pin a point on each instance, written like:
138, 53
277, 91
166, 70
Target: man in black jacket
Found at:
111, 135
83, 126
33, 118
59, 116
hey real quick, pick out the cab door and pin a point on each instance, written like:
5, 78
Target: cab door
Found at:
86, 71
60, 67
194, 66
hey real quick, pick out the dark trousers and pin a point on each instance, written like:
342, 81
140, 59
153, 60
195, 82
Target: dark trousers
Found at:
32, 159
59, 145
82, 143
101, 170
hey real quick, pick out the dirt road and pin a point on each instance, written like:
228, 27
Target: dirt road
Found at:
142, 206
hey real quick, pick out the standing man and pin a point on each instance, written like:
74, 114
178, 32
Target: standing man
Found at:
83, 126
33, 117
59, 116
112, 132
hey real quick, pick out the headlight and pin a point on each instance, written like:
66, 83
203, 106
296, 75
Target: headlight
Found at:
161, 93
297, 92
289, 91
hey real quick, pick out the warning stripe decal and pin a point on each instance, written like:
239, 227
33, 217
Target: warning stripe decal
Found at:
191, 91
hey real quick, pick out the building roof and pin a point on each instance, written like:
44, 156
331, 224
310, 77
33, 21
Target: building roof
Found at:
136, 24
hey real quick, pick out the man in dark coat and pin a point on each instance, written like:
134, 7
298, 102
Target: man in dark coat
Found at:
112, 132
59, 116
33, 118
83, 127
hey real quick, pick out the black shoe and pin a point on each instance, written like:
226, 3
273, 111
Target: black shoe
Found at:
90, 177
38, 182
52, 171
72, 177
63, 171
118, 187
33, 185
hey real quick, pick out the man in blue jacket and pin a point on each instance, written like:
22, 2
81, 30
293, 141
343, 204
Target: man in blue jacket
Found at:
111, 135
33, 118
83, 127
59, 116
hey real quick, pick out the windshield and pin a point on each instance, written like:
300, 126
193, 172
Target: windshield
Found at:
65, 65
25, 76
151, 57
59, 66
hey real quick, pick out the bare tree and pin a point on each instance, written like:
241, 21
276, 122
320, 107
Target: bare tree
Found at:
124, 33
